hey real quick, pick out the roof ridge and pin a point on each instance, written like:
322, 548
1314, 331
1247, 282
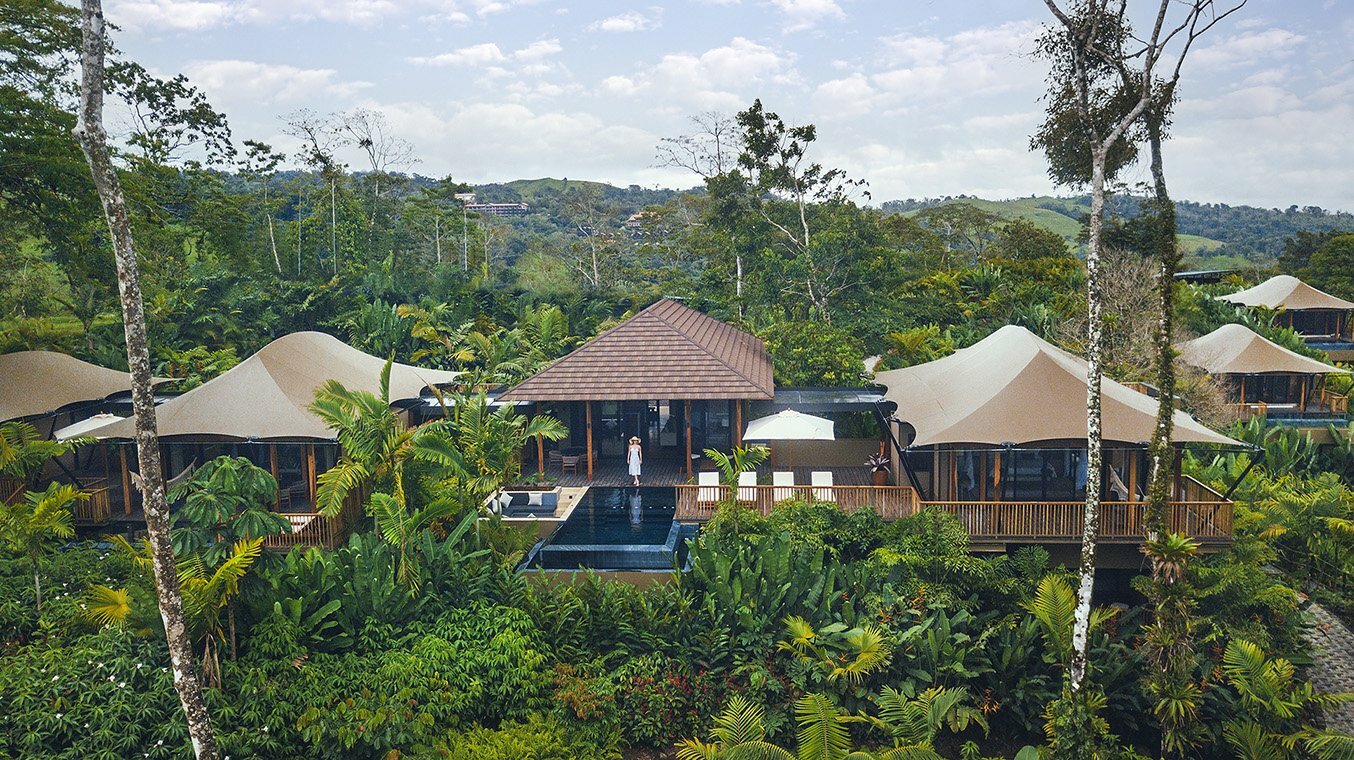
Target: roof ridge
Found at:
703, 349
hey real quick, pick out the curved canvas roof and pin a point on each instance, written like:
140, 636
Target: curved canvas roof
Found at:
266, 396
33, 383
1012, 386
667, 351
1238, 350
1286, 292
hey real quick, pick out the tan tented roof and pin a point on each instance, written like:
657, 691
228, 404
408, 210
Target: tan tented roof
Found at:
667, 351
266, 396
1238, 350
1286, 292
33, 383
1014, 387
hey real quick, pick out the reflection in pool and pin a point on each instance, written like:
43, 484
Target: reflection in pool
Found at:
616, 529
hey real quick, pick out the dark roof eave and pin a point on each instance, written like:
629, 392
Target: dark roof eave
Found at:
527, 396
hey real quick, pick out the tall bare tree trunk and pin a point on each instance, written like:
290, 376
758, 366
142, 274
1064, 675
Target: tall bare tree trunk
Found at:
1168, 258
272, 238
333, 221
1095, 347
94, 142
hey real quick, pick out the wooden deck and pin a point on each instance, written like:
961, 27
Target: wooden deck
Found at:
671, 473
1200, 512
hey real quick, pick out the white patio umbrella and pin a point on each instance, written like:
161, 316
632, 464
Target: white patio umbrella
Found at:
85, 426
790, 425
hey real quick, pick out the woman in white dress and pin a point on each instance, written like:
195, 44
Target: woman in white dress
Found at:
635, 457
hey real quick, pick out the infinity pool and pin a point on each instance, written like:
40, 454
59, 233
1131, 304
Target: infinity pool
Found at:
616, 529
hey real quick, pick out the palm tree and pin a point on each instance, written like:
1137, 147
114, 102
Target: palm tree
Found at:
1054, 607
400, 528
847, 656
489, 440
740, 730
24, 452
30, 524
1275, 708
376, 444
206, 591
738, 461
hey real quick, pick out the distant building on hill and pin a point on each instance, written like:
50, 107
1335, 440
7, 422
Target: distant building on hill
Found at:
498, 209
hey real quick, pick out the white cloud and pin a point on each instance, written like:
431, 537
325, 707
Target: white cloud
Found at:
481, 139
806, 14
237, 81
975, 62
722, 78
194, 15
179, 15
538, 50
1247, 48
489, 54
483, 54
630, 21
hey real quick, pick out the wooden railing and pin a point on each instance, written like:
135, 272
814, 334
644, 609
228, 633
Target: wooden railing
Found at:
1193, 490
696, 502
97, 509
1337, 403
9, 488
1062, 521
1200, 512
311, 528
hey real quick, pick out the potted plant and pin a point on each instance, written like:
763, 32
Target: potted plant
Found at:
879, 467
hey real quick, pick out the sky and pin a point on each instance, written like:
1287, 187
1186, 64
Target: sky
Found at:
921, 98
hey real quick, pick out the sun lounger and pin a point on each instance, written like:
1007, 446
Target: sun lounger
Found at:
747, 486
822, 486
784, 483
708, 493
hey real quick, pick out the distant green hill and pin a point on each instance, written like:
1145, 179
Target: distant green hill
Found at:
1212, 235
1062, 216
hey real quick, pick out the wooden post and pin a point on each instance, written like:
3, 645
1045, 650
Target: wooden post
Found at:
1131, 464
588, 406
1302, 393
689, 464
311, 475
1243, 394
737, 423
540, 448
126, 481
272, 461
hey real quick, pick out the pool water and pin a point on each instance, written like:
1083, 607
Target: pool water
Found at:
616, 529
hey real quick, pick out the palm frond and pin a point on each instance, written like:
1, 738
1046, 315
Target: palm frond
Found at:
821, 735
108, 606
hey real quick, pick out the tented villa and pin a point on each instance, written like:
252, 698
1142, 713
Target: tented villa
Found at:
996, 434
53, 390
677, 379
1324, 321
1264, 379
259, 410
63, 397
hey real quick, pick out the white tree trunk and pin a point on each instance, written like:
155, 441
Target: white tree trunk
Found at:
1095, 343
94, 142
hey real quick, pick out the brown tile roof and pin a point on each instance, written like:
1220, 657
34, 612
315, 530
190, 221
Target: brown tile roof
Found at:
667, 351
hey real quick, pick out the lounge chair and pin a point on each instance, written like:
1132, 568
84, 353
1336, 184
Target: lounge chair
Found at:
708, 493
822, 486
747, 486
784, 483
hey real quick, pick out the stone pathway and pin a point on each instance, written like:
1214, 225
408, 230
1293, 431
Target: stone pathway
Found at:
1333, 650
